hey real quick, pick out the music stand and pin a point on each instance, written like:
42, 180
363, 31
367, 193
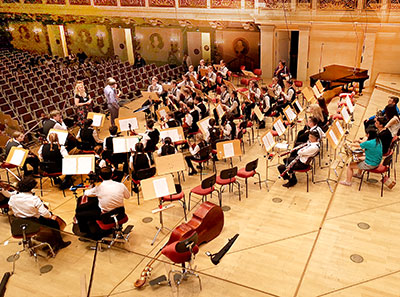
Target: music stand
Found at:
268, 142
98, 119
126, 124
158, 187
170, 164
229, 149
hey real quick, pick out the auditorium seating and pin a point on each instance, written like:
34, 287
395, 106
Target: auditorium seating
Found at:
32, 90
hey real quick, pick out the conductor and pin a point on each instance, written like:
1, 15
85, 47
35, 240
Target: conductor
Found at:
112, 94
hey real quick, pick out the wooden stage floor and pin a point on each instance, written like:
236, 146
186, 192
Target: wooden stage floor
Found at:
299, 245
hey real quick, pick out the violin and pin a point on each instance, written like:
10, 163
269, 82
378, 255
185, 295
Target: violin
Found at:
207, 221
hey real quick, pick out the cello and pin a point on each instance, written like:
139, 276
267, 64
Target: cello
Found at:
207, 221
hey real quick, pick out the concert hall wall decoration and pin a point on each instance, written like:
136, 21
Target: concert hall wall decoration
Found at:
30, 36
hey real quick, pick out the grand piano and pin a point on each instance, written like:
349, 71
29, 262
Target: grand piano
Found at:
338, 75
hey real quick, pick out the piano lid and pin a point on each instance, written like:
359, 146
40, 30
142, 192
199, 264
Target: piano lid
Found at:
337, 72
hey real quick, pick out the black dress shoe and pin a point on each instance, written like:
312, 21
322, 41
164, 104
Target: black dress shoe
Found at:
193, 172
64, 244
290, 184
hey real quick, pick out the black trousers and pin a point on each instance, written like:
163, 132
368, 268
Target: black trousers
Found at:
188, 160
297, 166
34, 162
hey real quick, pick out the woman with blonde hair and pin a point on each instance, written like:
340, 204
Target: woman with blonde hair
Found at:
82, 101
317, 112
52, 152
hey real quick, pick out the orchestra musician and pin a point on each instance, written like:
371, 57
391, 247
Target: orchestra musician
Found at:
316, 111
139, 160
223, 70
290, 95
202, 65
389, 111
88, 136
108, 153
167, 148
373, 156
312, 125
55, 122
194, 150
253, 96
229, 127
192, 72
150, 138
186, 82
224, 100
214, 133
234, 108
112, 94
209, 81
266, 101
27, 205
82, 100
170, 121
384, 134
300, 160
172, 96
281, 73
17, 140
201, 107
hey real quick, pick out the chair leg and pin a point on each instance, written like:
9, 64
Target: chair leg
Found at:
382, 185
247, 192
362, 177
307, 181
184, 206
259, 179
41, 188
190, 196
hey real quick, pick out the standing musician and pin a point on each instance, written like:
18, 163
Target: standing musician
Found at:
82, 101
209, 81
27, 205
112, 94
17, 140
223, 70
300, 160
282, 73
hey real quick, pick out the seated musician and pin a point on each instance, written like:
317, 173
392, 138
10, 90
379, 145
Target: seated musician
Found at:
373, 156
252, 97
194, 150
108, 153
139, 160
201, 107
316, 111
384, 134
223, 70
191, 72
170, 121
150, 138
157, 88
88, 135
202, 65
214, 133
55, 122
266, 102
186, 82
167, 148
224, 100
390, 110
111, 194
186, 95
172, 96
192, 117
209, 81
229, 127
290, 94
393, 124
300, 160
312, 125
101, 162
17, 140
27, 205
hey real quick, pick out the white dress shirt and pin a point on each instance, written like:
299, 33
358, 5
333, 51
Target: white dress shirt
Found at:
27, 205
157, 88
110, 193
309, 151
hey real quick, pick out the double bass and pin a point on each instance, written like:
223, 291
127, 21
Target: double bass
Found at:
207, 221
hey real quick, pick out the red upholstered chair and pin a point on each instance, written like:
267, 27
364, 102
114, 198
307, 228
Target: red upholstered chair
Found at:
182, 252
257, 72
249, 171
306, 170
245, 81
381, 169
45, 168
113, 221
206, 188
205, 156
227, 177
179, 196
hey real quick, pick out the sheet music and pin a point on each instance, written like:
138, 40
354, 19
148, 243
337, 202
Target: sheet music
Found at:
130, 143
17, 157
291, 115
345, 115
349, 104
162, 113
339, 128
119, 145
97, 119
268, 141
62, 135
220, 110
333, 136
271, 139
84, 164
299, 107
282, 146
258, 113
161, 187
69, 166
316, 91
279, 127
228, 150
124, 124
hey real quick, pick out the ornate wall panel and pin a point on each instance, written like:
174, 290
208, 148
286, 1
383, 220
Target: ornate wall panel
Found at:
303, 4
55, 2
193, 3
30, 36
33, 1
105, 2
394, 4
162, 3
225, 3
10, 1
274, 4
337, 4
249, 4
79, 2
372, 4
133, 3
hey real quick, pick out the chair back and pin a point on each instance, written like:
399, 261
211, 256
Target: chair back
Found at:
21, 227
186, 245
209, 182
49, 167
204, 152
386, 162
146, 173
251, 166
228, 173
